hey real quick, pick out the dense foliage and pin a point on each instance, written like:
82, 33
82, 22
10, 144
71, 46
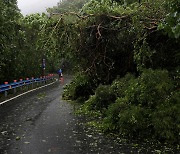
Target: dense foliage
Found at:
9, 34
111, 39
171, 23
81, 87
24, 42
116, 38
145, 105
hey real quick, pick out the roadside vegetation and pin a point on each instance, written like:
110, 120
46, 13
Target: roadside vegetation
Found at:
125, 56
25, 42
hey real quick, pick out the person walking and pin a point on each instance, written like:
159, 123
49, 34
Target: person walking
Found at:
60, 74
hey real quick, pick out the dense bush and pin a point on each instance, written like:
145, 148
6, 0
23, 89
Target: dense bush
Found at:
148, 107
81, 87
150, 88
145, 106
166, 118
104, 96
127, 119
112, 117
120, 84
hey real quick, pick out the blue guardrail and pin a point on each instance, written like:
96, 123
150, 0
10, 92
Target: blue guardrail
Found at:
14, 85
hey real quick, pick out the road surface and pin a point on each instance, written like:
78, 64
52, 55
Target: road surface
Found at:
42, 123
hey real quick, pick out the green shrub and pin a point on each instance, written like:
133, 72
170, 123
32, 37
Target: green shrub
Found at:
126, 119
87, 108
104, 97
132, 121
91, 103
80, 87
120, 84
166, 119
149, 89
147, 105
112, 114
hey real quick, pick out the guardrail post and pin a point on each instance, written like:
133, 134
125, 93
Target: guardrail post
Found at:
44, 80
27, 85
21, 83
32, 82
41, 80
15, 87
5, 93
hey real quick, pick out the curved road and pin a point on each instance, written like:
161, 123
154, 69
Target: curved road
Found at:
42, 123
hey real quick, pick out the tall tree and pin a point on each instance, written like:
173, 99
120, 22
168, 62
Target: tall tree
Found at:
9, 31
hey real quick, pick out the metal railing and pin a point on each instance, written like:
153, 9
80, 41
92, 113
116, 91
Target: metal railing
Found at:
4, 88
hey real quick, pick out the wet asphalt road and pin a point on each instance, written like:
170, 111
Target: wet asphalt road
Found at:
42, 123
